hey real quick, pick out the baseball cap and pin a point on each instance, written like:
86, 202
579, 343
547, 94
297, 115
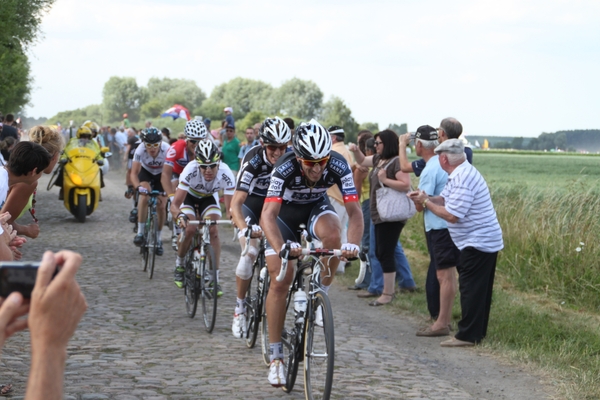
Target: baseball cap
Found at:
230, 126
337, 131
206, 121
226, 109
426, 132
452, 146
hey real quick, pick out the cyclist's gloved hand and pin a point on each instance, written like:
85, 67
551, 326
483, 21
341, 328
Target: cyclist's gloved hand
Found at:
171, 198
142, 190
288, 248
182, 220
352, 249
251, 231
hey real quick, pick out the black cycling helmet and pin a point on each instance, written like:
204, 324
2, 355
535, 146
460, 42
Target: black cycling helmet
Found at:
207, 152
151, 135
311, 141
274, 131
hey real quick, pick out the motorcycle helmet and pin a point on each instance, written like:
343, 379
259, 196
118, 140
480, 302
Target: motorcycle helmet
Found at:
207, 152
151, 135
274, 131
195, 130
311, 141
84, 131
94, 127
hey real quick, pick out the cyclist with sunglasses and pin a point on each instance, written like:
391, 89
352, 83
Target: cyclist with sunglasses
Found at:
179, 155
247, 204
196, 198
146, 169
297, 195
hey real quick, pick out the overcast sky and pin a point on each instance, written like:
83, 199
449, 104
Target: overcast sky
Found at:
514, 68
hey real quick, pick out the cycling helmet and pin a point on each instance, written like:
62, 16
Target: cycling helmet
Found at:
94, 127
311, 141
274, 131
84, 131
195, 129
151, 135
207, 152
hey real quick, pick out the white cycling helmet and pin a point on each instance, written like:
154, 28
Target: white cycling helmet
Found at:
207, 152
311, 141
275, 131
195, 129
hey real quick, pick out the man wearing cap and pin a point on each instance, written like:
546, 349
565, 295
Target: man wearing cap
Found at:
443, 254
228, 116
334, 194
231, 149
466, 205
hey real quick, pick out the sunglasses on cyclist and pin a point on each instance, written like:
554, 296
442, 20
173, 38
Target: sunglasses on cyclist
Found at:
193, 141
311, 163
151, 145
211, 166
273, 147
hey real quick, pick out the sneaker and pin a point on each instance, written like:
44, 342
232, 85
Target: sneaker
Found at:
159, 249
133, 216
178, 276
238, 328
277, 373
138, 239
219, 289
319, 316
174, 241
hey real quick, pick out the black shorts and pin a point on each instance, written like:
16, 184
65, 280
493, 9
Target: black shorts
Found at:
154, 180
445, 253
252, 209
200, 207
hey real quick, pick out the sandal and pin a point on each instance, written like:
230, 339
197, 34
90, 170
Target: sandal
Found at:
5, 389
376, 303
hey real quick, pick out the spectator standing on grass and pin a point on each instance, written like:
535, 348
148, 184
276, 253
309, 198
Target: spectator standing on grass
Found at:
251, 141
443, 254
334, 194
231, 149
466, 205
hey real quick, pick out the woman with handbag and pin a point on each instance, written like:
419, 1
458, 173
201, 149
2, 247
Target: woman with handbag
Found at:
386, 174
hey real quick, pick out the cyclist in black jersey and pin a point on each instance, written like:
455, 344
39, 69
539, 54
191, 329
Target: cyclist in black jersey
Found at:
298, 195
247, 203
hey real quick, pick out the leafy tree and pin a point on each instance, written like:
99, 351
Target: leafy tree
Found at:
335, 112
213, 110
122, 95
243, 95
299, 98
79, 116
166, 92
152, 108
19, 28
369, 126
533, 144
399, 129
560, 140
249, 120
517, 143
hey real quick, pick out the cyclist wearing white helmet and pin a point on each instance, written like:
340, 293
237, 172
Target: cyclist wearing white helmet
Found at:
196, 198
247, 204
297, 195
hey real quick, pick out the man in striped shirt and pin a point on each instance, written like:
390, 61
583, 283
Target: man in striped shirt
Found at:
466, 205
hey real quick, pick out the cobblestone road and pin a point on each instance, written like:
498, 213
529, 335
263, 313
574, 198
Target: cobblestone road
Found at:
136, 342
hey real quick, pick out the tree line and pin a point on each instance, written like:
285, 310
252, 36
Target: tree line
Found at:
570, 140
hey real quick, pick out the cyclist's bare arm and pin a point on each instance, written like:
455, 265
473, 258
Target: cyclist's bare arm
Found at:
165, 179
177, 201
136, 167
355, 225
239, 197
268, 221
227, 200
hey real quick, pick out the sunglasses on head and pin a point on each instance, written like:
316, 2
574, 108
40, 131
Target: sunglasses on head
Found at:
274, 147
311, 163
151, 145
207, 166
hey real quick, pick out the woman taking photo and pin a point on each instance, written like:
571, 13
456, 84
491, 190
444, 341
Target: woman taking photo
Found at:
386, 169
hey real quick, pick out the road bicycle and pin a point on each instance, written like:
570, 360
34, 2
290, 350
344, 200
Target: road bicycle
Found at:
200, 275
151, 233
304, 340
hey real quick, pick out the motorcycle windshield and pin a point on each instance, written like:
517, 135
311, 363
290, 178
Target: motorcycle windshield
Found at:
83, 163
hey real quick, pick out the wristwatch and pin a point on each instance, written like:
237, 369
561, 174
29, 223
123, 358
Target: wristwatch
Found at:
425, 202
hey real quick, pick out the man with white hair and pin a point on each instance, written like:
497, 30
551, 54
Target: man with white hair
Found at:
466, 204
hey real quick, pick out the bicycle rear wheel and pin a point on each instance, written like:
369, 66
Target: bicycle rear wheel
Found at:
152, 244
319, 350
264, 325
144, 252
208, 290
190, 284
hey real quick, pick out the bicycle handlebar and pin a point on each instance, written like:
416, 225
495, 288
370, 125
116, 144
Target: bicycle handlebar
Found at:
248, 237
306, 252
210, 222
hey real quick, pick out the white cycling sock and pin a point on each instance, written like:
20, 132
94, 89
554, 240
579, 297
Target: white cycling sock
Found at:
141, 228
179, 261
239, 306
217, 275
326, 289
275, 351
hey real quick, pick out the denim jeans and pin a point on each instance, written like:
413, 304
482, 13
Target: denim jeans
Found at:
366, 210
403, 272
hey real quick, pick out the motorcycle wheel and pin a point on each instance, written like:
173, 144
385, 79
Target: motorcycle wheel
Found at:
81, 210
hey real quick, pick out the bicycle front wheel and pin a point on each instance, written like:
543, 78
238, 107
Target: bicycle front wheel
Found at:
319, 350
190, 284
208, 290
264, 325
152, 244
144, 253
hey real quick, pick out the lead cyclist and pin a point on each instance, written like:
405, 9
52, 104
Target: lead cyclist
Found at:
247, 203
298, 195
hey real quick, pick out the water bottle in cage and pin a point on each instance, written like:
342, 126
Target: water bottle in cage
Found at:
300, 305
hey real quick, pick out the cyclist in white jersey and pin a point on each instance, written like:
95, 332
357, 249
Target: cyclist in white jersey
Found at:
247, 203
146, 169
196, 198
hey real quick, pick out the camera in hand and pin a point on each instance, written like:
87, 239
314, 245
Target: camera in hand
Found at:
19, 277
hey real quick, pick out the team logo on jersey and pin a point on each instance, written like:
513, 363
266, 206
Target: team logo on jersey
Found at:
226, 179
264, 167
275, 185
246, 177
244, 186
347, 182
255, 161
155, 163
337, 166
171, 153
297, 180
286, 169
